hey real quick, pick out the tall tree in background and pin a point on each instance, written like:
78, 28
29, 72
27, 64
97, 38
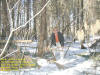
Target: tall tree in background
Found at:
35, 24
0, 17
5, 21
28, 11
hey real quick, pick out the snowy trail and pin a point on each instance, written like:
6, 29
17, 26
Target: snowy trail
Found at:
74, 65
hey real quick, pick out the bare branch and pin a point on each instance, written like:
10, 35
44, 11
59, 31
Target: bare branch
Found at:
9, 54
14, 5
4, 49
33, 16
9, 15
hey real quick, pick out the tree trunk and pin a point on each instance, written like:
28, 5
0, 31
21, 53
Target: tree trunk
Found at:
82, 14
4, 19
28, 11
43, 31
35, 19
0, 18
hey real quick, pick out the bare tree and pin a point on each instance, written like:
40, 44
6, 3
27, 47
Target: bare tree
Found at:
43, 30
5, 21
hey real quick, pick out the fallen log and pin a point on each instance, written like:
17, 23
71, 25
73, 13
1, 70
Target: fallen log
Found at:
17, 41
95, 43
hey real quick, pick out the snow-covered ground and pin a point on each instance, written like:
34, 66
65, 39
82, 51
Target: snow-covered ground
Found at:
73, 64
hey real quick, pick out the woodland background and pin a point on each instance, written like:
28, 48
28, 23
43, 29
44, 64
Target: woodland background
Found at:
69, 15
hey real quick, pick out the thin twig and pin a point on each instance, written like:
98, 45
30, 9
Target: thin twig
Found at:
9, 54
14, 6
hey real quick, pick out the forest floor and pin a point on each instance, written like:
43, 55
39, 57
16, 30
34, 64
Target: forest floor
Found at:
75, 62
